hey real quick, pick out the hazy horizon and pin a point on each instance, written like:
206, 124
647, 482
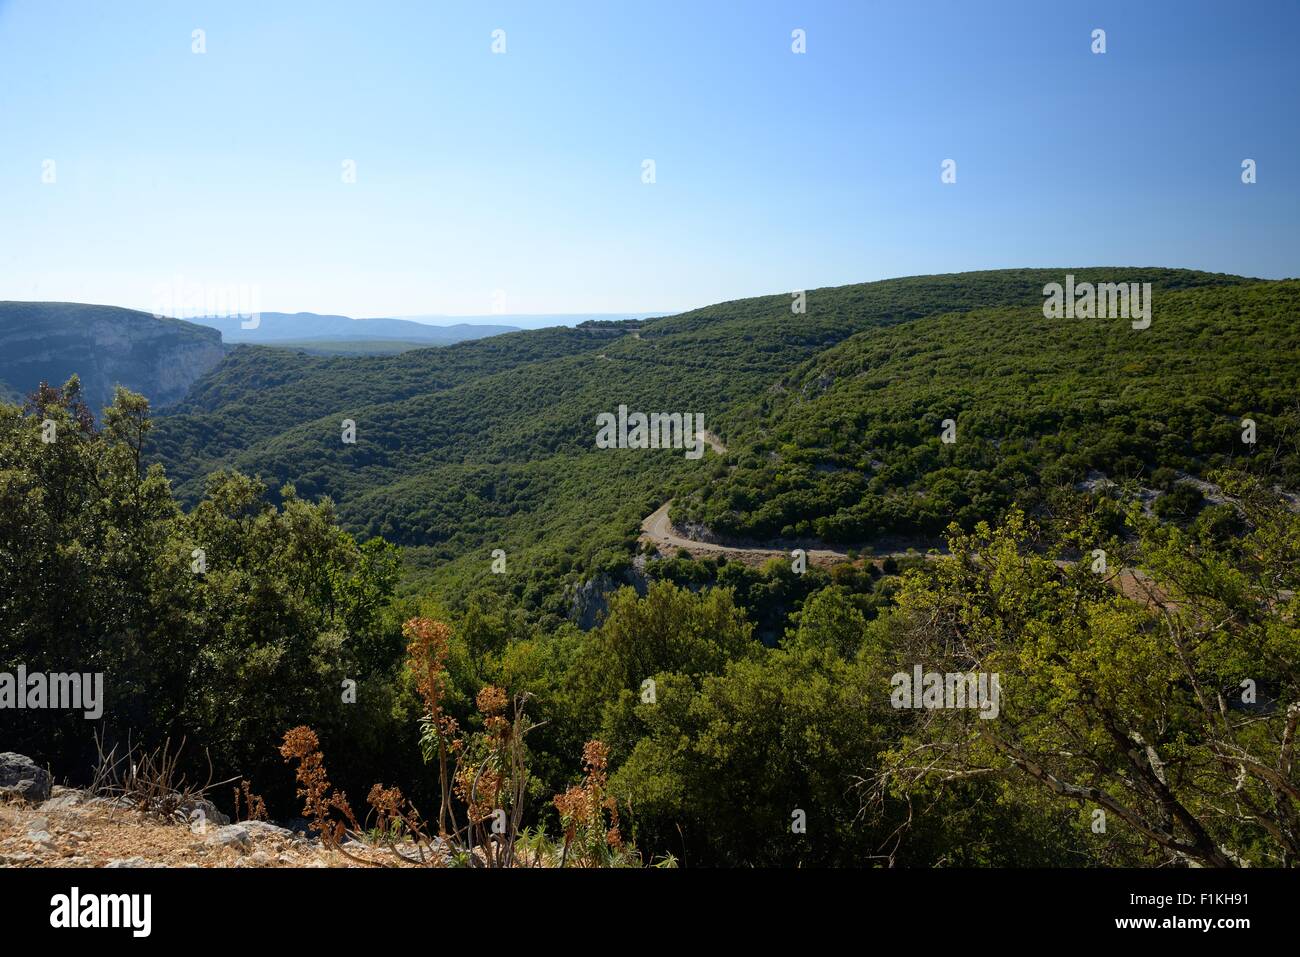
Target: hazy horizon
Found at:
589, 160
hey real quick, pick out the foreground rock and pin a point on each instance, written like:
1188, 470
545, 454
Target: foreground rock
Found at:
44, 826
232, 835
75, 829
23, 778
63, 798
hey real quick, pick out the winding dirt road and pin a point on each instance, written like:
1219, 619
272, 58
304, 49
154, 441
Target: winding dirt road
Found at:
712, 441
657, 529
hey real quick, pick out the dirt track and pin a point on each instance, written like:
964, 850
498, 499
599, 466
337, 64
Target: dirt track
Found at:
658, 530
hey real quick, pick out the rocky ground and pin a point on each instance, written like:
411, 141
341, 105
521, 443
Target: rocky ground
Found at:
50, 826
73, 829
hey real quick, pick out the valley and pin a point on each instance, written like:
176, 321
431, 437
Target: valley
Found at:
952, 460
761, 438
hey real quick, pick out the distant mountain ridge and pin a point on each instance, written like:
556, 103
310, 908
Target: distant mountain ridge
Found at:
301, 327
538, 320
162, 357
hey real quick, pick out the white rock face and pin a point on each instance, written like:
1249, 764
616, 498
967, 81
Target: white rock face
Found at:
105, 346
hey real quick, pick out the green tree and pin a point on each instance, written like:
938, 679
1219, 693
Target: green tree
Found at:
1131, 705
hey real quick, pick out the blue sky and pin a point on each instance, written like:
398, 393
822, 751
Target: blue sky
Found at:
513, 182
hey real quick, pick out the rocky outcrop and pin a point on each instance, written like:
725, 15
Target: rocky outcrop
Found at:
44, 826
78, 829
23, 778
232, 835
105, 346
590, 599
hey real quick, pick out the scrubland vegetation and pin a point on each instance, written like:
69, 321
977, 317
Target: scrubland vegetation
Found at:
713, 703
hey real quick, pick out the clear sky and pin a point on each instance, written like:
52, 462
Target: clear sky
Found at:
513, 182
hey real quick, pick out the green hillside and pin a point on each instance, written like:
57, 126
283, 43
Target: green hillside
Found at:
260, 392
720, 695
847, 446
491, 444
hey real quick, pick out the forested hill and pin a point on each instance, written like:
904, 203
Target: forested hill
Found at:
490, 443
260, 392
882, 413
847, 445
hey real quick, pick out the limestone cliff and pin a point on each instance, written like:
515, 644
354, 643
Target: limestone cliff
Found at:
106, 346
